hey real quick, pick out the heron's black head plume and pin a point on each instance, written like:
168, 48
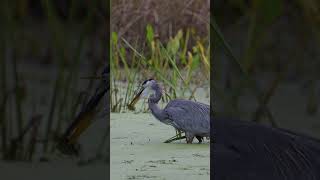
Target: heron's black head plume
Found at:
147, 81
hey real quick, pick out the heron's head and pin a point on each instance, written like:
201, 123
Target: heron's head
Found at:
145, 91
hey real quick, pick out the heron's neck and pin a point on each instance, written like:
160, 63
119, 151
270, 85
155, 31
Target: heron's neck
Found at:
153, 106
156, 111
155, 98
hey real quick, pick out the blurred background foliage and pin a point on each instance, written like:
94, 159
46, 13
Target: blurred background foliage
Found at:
274, 50
39, 26
130, 19
45, 48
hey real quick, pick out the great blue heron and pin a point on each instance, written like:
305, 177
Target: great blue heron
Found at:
191, 117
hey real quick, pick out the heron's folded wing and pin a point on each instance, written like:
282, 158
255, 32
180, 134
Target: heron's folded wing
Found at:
190, 117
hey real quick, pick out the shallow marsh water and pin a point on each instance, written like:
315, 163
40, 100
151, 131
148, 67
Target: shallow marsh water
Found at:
138, 152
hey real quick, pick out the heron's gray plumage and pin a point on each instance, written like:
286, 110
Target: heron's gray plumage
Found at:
253, 151
191, 117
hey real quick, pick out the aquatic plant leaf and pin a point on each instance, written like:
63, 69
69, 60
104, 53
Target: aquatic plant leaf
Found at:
114, 38
150, 33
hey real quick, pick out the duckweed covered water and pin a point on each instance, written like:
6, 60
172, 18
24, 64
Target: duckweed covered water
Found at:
138, 151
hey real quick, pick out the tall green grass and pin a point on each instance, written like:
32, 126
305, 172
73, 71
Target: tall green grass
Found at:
180, 66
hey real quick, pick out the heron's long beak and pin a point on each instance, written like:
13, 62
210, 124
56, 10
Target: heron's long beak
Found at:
82, 121
135, 100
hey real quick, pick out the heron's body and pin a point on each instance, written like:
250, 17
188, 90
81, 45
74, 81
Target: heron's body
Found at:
191, 117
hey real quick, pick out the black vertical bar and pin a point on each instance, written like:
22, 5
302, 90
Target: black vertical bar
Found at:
211, 92
107, 79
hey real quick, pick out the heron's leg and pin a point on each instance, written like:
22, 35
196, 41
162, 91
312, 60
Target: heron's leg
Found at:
189, 137
199, 139
178, 133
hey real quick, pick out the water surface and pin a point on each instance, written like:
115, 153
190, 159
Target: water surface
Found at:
138, 151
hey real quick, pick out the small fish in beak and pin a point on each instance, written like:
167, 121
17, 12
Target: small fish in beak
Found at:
144, 92
67, 144
135, 100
